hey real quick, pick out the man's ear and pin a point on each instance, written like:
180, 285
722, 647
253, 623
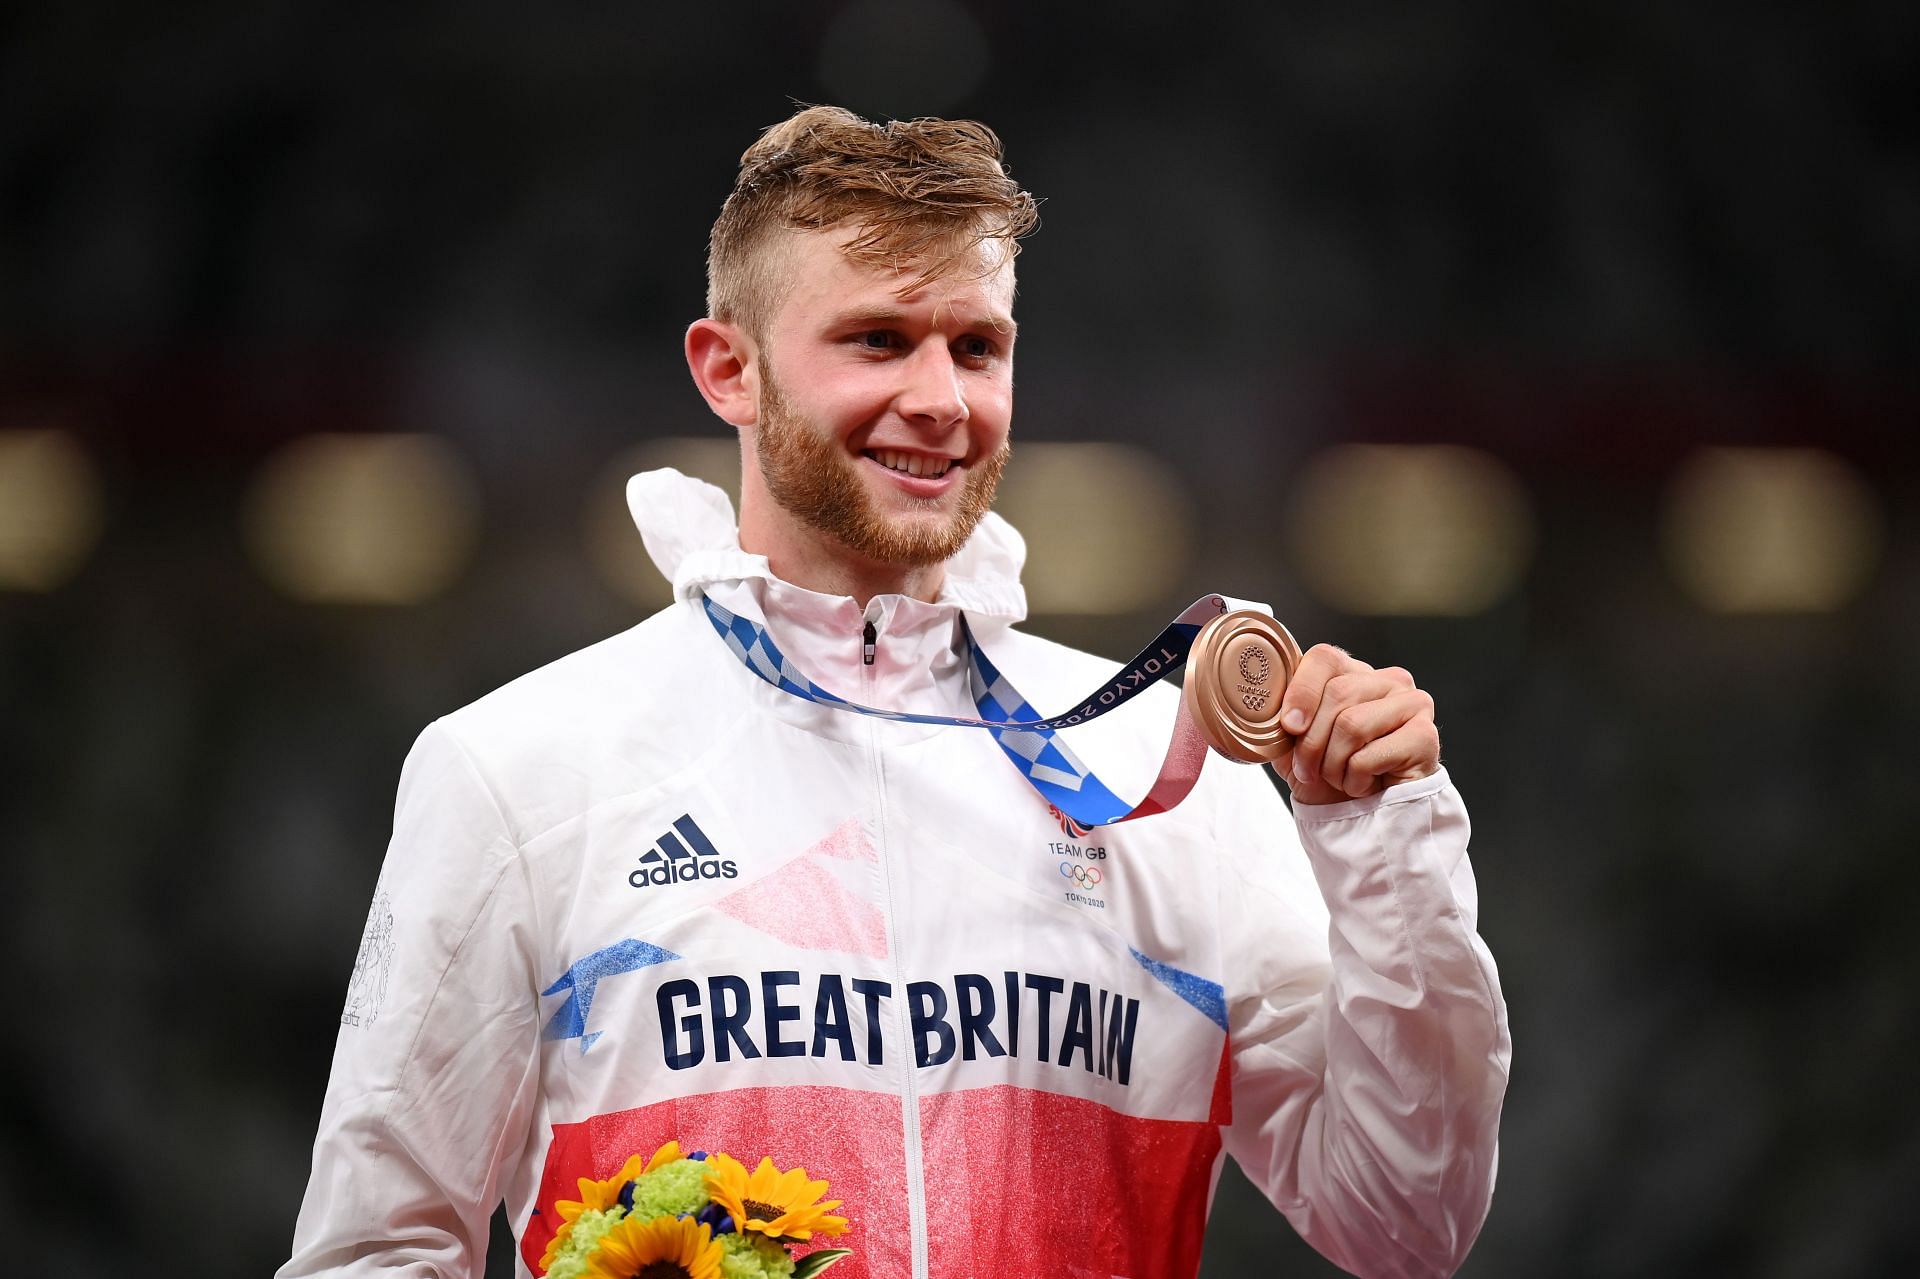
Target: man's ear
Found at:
724, 364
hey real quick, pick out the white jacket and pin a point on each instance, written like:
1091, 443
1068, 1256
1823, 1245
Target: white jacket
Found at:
1012, 1050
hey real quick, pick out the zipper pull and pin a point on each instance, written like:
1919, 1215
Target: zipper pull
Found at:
868, 638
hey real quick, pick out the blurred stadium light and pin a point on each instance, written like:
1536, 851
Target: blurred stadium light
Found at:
1109, 527
1771, 530
1433, 530
613, 543
50, 509
362, 519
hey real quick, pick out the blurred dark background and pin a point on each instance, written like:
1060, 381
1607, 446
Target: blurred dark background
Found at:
1621, 303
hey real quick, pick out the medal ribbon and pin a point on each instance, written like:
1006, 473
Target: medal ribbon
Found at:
1027, 739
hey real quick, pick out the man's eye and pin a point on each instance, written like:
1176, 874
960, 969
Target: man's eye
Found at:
878, 340
976, 348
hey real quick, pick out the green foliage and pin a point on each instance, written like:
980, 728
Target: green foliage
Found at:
814, 1262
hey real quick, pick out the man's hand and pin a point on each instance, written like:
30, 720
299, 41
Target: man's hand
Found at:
1356, 730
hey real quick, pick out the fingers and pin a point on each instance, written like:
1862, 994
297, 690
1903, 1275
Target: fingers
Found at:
1410, 752
1328, 682
1353, 726
1304, 689
1384, 737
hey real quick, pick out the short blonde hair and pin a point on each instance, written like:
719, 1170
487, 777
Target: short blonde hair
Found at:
919, 193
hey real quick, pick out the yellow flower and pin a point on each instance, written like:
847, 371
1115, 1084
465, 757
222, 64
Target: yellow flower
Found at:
663, 1248
665, 1155
780, 1205
601, 1195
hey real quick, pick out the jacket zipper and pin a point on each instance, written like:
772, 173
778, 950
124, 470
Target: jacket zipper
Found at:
903, 1028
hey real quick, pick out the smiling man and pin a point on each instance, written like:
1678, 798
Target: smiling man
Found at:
679, 886
862, 339
874, 420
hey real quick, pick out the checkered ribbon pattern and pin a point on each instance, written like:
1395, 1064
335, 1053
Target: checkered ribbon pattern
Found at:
1027, 739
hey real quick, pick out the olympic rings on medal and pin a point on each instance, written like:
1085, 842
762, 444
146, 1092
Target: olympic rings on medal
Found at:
1085, 876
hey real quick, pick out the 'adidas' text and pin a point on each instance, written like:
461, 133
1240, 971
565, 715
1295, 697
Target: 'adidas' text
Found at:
672, 863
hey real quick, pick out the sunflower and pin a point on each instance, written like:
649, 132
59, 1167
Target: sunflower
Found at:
665, 1155
780, 1205
659, 1248
598, 1196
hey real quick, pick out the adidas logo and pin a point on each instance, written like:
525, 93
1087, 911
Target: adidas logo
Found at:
670, 862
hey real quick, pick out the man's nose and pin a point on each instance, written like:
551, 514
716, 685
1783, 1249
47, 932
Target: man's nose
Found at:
932, 395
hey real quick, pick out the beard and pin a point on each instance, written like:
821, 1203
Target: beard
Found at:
812, 478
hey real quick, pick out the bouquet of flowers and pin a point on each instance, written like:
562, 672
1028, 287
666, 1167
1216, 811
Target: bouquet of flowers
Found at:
693, 1216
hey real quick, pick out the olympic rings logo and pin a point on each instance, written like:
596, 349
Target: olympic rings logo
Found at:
1085, 876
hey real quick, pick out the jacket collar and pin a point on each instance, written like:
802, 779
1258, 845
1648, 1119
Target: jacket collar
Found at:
920, 663
693, 537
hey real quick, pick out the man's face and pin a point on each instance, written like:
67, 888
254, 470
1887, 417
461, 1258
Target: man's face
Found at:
883, 415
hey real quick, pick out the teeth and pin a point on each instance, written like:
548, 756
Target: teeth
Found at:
910, 463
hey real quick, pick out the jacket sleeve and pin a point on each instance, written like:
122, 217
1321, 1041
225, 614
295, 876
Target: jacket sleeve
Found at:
436, 1062
1369, 1035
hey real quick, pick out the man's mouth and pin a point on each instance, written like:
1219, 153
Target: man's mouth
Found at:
916, 464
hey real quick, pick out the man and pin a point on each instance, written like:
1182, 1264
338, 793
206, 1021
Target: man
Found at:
646, 894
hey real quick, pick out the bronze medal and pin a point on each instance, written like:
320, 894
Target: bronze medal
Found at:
1237, 673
